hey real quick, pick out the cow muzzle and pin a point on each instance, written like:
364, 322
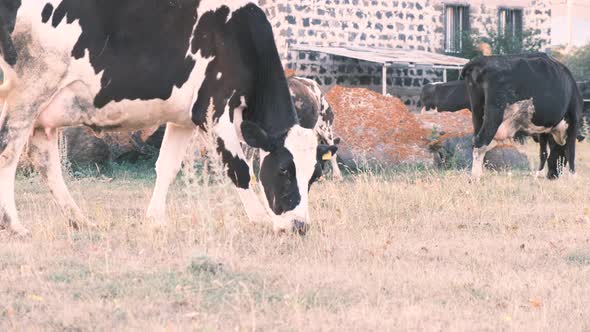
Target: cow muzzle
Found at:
300, 227
291, 224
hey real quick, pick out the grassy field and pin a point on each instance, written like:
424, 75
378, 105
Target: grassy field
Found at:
412, 250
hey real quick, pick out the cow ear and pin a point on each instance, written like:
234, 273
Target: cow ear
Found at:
255, 136
326, 152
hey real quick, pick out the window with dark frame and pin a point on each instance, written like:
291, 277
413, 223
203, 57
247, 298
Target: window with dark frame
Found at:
510, 23
456, 25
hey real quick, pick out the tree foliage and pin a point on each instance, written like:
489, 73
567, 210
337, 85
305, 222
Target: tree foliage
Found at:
579, 63
500, 44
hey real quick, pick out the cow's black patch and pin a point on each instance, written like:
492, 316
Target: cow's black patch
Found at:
245, 54
445, 97
277, 172
5, 220
8, 12
46, 13
306, 103
328, 116
140, 45
4, 137
237, 169
279, 180
320, 165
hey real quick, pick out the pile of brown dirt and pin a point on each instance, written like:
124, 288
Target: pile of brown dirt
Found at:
377, 126
381, 127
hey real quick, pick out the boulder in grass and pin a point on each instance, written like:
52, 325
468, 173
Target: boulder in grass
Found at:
456, 152
84, 148
376, 128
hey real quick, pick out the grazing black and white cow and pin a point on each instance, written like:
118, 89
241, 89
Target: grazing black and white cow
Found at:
130, 64
445, 97
314, 112
531, 93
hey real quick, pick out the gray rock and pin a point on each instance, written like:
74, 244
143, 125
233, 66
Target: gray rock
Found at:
85, 149
457, 153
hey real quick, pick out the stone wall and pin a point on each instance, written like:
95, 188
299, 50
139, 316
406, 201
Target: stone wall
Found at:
407, 24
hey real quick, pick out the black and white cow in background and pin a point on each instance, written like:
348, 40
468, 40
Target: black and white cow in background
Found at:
131, 64
314, 112
445, 97
531, 93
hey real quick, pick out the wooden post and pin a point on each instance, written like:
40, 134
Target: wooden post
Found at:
384, 78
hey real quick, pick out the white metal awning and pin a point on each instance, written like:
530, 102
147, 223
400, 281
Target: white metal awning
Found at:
390, 57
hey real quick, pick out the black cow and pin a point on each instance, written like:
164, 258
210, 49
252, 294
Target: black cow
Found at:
130, 64
445, 97
531, 93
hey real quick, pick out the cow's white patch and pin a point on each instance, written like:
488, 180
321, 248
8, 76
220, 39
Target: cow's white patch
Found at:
44, 154
7, 199
254, 209
302, 144
219, 75
239, 117
229, 132
478, 159
559, 132
176, 141
519, 116
14, 144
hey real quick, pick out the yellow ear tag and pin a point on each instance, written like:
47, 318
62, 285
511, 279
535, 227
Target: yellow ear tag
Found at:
327, 156
252, 180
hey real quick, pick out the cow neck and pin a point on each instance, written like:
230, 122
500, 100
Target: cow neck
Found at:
271, 106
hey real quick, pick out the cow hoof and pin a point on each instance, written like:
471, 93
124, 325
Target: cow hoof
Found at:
338, 178
299, 227
156, 222
19, 230
475, 179
77, 224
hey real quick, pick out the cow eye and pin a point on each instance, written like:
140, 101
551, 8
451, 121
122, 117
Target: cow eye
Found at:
284, 171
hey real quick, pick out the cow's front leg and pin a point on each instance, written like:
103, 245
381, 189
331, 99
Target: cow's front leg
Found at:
238, 169
44, 154
174, 146
486, 138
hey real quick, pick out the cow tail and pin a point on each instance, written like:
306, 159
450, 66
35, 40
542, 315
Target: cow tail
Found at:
7, 60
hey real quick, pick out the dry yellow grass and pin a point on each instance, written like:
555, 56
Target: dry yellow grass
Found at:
405, 251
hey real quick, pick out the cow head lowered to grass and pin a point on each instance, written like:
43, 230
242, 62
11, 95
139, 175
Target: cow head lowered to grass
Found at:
289, 165
119, 65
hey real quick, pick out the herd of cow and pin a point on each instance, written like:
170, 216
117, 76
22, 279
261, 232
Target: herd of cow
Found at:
130, 64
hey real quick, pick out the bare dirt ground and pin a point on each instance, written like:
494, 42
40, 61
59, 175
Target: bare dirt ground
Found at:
409, 250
